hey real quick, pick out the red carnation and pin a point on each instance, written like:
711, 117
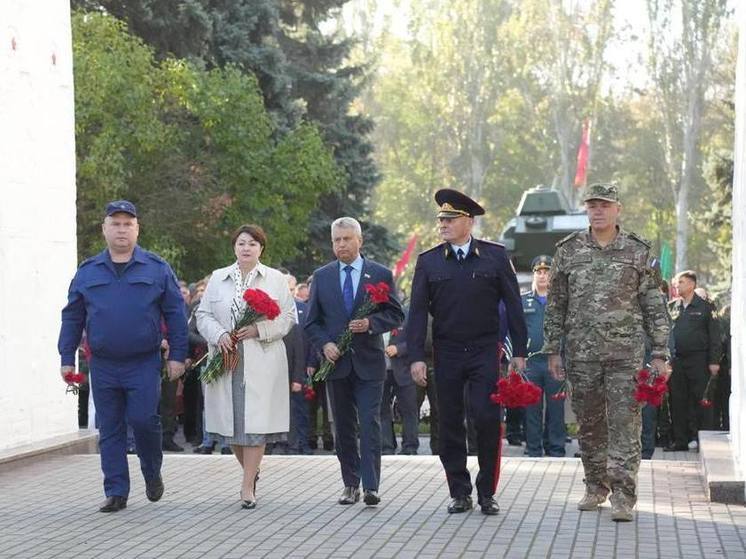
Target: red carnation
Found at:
261, 303
516, 391
650, 389
309, 393
378, 293
707, 400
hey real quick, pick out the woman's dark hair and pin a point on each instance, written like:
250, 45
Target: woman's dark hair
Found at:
256, 233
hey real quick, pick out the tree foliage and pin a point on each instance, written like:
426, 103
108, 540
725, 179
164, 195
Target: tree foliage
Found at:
304, 75
195, 149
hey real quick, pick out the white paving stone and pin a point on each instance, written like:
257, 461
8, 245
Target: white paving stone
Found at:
50, 510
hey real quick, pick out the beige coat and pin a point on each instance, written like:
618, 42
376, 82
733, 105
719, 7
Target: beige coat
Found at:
265, 370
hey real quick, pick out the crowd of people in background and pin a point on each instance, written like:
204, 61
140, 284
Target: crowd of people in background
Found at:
409, 411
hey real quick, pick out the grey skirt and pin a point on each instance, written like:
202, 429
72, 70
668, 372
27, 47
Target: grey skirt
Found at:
240, 438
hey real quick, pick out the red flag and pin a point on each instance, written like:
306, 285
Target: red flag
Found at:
583, 151
401, 264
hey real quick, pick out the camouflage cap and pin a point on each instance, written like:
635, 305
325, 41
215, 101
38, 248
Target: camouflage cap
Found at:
602, 191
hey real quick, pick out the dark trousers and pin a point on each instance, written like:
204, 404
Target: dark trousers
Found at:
432, 397
318, 404
167, 408
688, 383
545, 421
127, 392
406, 396
356, 406
476, 370
192, 407
298, 436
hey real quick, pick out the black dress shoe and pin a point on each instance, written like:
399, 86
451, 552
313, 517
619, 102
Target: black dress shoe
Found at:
328, 444
113, 504
350, 496
203, 450
226, 450
371, 498
489, 505
171, 446
676, 448
460, 504
154, 489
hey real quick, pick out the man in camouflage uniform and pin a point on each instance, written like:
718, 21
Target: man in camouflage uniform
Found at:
603, 299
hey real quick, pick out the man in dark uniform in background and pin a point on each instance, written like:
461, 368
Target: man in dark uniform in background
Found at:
119, 296
697, 347
461, 282
545, 421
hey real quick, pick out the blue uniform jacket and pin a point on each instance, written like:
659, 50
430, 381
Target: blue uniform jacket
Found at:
464, 299
533, 312
327, 318
122, 315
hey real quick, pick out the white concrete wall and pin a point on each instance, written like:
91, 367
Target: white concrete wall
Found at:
738, 313
37, 216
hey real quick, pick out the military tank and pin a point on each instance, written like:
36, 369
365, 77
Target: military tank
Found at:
542, 218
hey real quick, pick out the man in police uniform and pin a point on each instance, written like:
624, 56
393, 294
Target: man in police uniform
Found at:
603, 300
119, 297
461, 282
550, 412
697, 349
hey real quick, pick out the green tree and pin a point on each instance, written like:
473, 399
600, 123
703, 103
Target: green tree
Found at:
680, 63
195, 149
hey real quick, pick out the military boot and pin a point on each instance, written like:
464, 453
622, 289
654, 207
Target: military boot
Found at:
621, 508
591, 500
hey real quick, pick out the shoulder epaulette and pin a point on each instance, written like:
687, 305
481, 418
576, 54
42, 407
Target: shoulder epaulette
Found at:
526, 293
432, 249
570, 236
86, 261
639, 239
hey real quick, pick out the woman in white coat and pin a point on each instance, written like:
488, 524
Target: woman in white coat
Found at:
251, 406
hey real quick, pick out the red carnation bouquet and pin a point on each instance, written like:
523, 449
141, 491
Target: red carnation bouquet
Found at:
259, 306
562, 392
74, 380
376, 294
650, 388
708, 398
516, 391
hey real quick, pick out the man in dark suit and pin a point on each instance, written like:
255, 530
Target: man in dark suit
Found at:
461, 283
399, 383
355, 386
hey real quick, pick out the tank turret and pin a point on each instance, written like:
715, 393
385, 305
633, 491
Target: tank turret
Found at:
542, 218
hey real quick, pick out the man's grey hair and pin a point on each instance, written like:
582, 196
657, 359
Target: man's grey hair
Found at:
347, 223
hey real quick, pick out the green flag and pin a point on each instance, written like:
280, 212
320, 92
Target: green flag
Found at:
666, 261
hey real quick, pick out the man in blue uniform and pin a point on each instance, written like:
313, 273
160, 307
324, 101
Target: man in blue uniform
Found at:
120, 297
461, 282
545, 421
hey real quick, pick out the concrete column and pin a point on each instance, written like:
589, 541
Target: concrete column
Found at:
37, 217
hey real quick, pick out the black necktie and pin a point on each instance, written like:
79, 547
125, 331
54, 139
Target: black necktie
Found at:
460, 255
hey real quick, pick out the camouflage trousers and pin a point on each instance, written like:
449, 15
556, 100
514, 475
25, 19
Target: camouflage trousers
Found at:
609, 423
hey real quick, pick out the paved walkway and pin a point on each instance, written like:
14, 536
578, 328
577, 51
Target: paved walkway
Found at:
49, 510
